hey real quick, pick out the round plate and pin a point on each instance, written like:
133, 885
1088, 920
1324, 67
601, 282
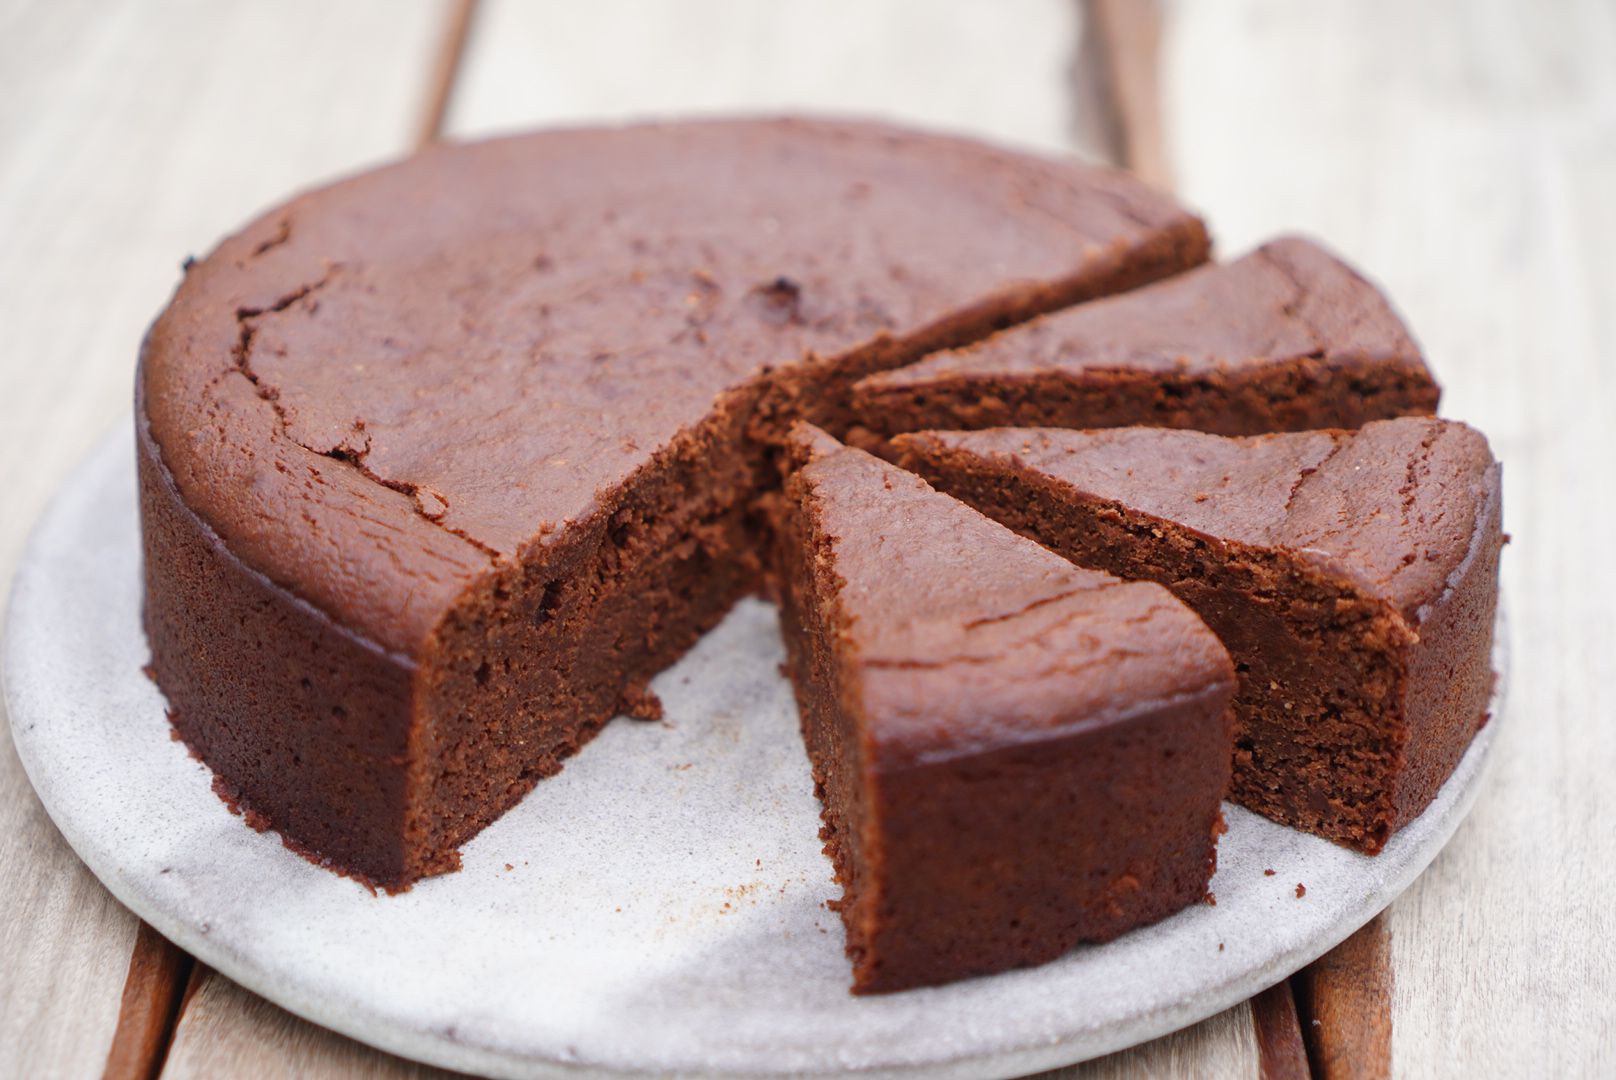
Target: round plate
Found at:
659, 906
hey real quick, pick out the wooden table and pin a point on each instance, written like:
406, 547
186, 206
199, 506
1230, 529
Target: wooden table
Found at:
1462, 151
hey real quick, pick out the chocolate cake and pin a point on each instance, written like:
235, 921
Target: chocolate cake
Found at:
1353, 577
1288, 338
439, 464
1012, 754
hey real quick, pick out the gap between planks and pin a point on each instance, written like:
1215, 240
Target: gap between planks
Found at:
1118, 69
154, 993
1344, 1003
446, 70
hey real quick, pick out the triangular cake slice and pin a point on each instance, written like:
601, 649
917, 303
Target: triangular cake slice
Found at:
1352, 575
1013, 755
1288, 338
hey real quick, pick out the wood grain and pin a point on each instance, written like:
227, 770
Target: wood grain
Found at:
1463, 152
451, 53
1346, 1005
989, 67
1280, 1050
1119, 70
1223, 1047
132, 134
152, 995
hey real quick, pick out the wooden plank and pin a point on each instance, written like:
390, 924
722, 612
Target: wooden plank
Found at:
1280, 1052
991, 67
446, 71
152, 997
1118, 69
1346, 998
1223, 1047
132, 134
1464, 153
230, 1032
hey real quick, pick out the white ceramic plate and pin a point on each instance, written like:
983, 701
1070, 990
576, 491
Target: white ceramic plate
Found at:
659, 906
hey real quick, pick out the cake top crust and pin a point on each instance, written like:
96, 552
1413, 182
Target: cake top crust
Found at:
1398, 507
965, 636
384, 387
1289, 300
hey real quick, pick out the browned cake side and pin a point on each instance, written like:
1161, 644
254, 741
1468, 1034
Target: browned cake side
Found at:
440, 463
1288, 338
1013, 755
1352, 576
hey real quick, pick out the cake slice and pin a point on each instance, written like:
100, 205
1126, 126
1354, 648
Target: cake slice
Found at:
1013, 755
1353, 577
1288, 338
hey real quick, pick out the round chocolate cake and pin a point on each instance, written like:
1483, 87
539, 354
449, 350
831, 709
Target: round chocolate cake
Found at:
439, 465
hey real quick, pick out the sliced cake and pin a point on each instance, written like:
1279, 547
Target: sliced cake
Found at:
1013, 755
440, 463
1288, 338
1353, 577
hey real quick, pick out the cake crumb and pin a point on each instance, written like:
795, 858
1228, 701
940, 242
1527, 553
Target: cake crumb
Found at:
1220, 946
1269, 872
1301, 890
1211, 898
641, 702
509, 868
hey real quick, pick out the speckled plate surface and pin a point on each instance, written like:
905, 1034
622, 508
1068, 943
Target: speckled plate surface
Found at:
658, 907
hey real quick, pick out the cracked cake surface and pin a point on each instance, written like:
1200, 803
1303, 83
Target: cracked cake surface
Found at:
441, 464
1353, 576
1286, 338
1070, 727
457, 357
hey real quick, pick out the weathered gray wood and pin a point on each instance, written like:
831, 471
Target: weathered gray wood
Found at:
132, 134
990, 67
1464, 153
1221, 1048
